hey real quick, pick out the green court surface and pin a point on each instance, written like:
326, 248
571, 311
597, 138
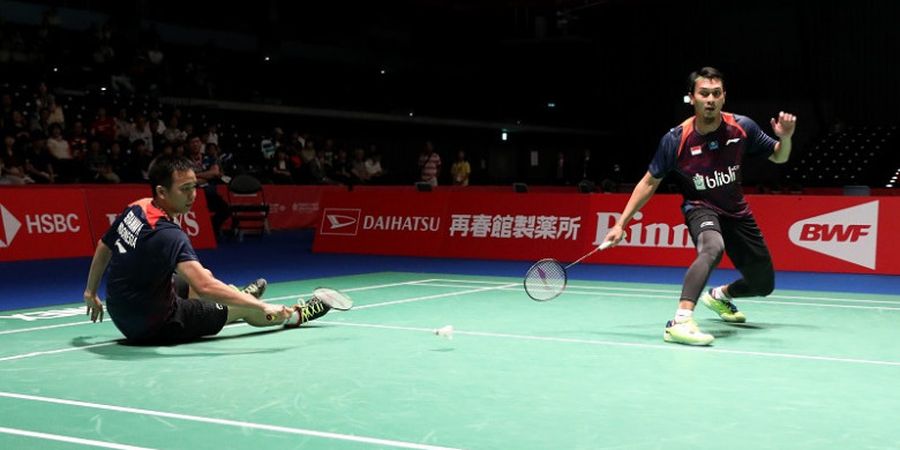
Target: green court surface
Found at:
588, 370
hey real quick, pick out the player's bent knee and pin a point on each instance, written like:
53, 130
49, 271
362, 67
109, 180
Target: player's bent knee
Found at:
768, 287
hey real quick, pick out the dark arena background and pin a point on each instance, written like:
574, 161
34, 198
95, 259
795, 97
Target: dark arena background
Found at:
325, 122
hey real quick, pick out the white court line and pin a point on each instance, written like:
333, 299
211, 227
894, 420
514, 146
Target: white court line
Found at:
240, 324
283, 297
45, 327
69, 439
53, 352
429, 297
671, 347
227, 422
674, 292
363, 288
670, 297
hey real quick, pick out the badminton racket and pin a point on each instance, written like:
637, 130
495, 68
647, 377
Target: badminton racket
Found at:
547, 278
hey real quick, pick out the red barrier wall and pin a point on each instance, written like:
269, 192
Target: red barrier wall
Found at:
804, 233
67, 221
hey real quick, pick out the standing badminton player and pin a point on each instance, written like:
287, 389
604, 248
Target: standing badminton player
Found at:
157, 290
704, 155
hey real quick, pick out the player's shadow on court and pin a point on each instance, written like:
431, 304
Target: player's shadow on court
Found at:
765, 326
123, 350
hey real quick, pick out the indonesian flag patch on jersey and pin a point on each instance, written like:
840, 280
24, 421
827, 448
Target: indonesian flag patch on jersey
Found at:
696, 150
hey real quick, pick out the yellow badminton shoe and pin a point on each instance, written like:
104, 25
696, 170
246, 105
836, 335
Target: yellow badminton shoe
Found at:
686, 332
724, 308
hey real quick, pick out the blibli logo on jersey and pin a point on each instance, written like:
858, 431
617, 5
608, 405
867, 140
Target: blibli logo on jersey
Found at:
703, 182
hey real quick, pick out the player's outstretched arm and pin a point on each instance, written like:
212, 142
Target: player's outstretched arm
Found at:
639, 197
94, 308
208, 287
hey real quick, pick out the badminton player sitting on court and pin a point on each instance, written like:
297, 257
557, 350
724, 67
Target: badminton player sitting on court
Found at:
704, 155
157, 290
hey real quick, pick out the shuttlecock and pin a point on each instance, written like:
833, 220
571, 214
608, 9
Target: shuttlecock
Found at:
445, 331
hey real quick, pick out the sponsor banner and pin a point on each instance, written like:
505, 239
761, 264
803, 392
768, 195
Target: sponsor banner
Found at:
290, 206
43, 223
385, 222
104, 203
832, 234
518, 226
804, 233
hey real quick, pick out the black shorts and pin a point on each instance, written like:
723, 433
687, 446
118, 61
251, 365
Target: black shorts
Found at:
744, 243
190, 320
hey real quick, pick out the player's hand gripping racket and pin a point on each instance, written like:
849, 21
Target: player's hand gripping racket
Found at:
546, 279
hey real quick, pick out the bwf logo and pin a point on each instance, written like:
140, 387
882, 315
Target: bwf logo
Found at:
340, 221
849, 234
10, 225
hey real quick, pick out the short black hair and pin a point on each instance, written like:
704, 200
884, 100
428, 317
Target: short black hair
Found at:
164, 167
707, 72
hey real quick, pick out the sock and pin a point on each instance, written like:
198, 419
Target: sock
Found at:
294, 319
718, 293
682, 315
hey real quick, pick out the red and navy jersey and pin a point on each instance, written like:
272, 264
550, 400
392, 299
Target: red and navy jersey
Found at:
708, 167
146, 246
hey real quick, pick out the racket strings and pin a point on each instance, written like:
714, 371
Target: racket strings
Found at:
545, 280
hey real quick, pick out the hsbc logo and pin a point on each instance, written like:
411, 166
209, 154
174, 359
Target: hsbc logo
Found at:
849, 234
340, 221
10, 226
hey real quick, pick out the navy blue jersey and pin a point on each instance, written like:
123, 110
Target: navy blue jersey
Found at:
708, 167
146, 246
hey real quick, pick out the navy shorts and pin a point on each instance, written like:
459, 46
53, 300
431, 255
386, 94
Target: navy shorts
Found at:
191, 319
744, 241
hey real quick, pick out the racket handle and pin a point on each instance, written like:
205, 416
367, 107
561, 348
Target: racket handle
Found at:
603, 246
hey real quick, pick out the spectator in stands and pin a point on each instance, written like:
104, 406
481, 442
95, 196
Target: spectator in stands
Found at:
58, 145
560, 176
315, 169
56, 116
697, 153
78, 141
103, 127
429, 165
612, 177
157, 127
141, 157
19, 127
209, 175
212, 135
42, 97
358, 170
281, 168
123, 125
186, 301
329, 149
118, 163
6, 109
12, 164
188, 130
588, 170
140, 130
461, 169
97, 165
339, 168
38, 162
373, 166
174, 134
309, 151
41, 122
